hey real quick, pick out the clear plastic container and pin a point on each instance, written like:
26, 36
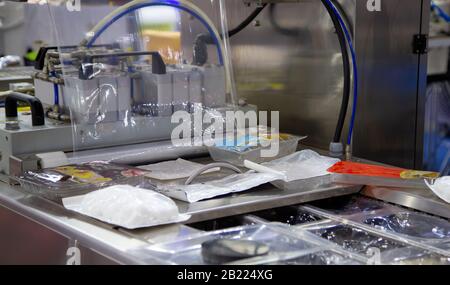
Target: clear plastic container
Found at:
355, 240
387, 227
189, 249
412, 224
237, 157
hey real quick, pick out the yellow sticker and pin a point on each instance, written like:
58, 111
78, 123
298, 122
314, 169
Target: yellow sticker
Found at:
280, 137
82, 175
24, 109
416, 174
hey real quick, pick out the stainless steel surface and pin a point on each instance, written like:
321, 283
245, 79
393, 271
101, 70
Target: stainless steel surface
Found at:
137, 153
57, 136
419, 199
49, 223
32, 140
14, 75
36, 216
46, 230
265, 197
300, 75
421, 91
161, 234
393, 81
23, 241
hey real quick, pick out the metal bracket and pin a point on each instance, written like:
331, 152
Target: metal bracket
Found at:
420, 44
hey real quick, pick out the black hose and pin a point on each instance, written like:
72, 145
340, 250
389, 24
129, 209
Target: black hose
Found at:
347, 72
247, 21
344, 15
202, 40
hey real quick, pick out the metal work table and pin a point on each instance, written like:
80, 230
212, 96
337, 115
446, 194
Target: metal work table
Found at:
42, 231
262, 198
418, 199
48, 222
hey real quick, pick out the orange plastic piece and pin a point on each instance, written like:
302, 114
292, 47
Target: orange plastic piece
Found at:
347, 167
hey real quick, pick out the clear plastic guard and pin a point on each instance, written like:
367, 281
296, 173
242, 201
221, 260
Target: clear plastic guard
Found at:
130, 74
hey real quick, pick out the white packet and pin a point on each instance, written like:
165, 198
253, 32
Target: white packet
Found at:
302, 165
174, 169
441, 188
230, 184
127, 206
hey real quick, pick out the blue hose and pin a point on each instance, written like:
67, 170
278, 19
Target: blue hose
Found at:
169, 4
355, 70
441, 13
55, 91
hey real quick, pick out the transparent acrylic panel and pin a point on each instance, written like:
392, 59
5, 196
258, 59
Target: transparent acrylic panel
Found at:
121, 71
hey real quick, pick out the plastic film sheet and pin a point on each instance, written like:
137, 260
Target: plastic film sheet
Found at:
127, 206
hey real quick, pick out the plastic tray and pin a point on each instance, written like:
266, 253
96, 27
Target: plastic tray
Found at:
412, 224
355, 240
387, 219
222, 154
188, 250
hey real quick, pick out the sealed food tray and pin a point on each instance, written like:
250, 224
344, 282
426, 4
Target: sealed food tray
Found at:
225, 154
412, 224
396, 223
189, 249
72, 180
354, 239
388, 218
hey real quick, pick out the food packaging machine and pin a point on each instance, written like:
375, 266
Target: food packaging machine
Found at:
109, 103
